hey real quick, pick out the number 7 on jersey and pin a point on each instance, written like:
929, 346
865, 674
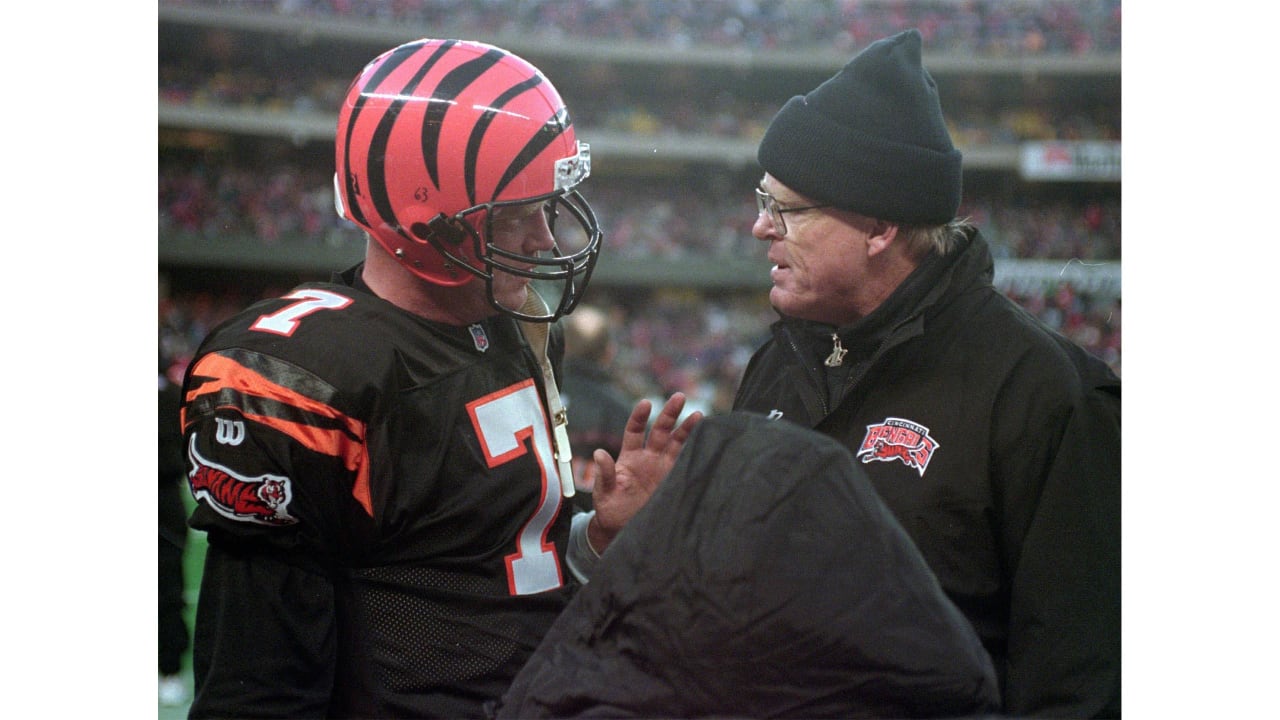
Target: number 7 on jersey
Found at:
503, 420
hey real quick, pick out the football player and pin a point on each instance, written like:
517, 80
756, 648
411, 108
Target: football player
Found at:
381, 461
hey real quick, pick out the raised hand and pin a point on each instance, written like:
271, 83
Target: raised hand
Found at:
624, 486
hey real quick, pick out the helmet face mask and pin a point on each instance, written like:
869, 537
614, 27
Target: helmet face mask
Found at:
563, 271
436, 138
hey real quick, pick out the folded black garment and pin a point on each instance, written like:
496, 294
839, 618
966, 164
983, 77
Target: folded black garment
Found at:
764, 578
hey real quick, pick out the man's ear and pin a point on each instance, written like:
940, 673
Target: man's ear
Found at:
881, 237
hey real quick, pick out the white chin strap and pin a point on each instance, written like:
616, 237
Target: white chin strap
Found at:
539, 335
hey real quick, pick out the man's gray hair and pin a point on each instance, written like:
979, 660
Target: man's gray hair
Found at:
921, 240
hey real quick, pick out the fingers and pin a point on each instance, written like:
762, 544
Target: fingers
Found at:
665, 436
633, 433
661, 434
682, 433
608, 471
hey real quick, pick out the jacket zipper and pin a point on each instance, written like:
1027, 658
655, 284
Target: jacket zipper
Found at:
814, 375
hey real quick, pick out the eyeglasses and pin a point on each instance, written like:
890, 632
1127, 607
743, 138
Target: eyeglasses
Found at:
767, 203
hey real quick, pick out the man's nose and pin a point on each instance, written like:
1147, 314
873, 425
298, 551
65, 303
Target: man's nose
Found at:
763, 228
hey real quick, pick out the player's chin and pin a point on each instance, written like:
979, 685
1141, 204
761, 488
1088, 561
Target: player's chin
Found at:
512, 294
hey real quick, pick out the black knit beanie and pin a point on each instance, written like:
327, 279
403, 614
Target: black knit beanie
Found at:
871, 139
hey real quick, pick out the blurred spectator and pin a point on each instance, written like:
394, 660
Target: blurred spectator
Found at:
598, 406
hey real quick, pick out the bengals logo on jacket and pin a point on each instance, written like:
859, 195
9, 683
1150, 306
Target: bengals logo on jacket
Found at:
898, 439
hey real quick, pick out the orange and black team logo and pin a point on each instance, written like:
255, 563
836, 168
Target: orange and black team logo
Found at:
263, 499
898, 439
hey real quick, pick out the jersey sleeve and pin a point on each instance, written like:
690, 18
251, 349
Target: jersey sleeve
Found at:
272, 465
272, 651
272, 460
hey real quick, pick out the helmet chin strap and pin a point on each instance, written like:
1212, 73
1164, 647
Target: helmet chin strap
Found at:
538, 334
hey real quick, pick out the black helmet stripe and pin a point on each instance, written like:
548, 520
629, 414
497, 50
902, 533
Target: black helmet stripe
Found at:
398, 56
382, 134
482, 126
450, 87
552, 129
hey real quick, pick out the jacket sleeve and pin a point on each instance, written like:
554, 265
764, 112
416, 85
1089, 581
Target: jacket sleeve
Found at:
1064, 628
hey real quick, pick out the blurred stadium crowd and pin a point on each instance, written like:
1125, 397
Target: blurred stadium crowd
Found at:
601, 103
293, 204
985, 27
605, 106
670, 339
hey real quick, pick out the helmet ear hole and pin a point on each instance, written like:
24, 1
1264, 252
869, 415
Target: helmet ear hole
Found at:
420, 230
439, 228
445, 231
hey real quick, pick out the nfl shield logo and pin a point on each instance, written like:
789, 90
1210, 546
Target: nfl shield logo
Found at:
479, 337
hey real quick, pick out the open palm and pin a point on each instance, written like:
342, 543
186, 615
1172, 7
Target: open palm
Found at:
624, 485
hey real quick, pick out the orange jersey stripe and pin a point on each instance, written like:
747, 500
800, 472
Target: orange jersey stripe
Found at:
348, 445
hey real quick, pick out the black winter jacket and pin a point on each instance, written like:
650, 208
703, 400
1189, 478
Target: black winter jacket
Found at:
996, 443
764, 578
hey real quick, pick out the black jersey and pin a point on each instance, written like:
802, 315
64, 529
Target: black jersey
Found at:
386, 528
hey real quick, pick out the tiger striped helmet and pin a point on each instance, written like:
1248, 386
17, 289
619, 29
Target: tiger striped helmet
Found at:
436, 134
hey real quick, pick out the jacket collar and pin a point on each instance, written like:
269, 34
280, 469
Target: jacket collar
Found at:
901, 315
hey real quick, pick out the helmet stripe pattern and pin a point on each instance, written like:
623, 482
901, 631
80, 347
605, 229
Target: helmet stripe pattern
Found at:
434, 136
397, 57
449, 88
482, 126
554, 128
378, 192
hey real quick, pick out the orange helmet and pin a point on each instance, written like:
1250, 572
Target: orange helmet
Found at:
436, 134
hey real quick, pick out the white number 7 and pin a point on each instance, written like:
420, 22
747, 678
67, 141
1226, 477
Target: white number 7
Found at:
285, 320
503, 420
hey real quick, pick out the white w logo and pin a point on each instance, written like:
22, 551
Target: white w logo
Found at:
230, 432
